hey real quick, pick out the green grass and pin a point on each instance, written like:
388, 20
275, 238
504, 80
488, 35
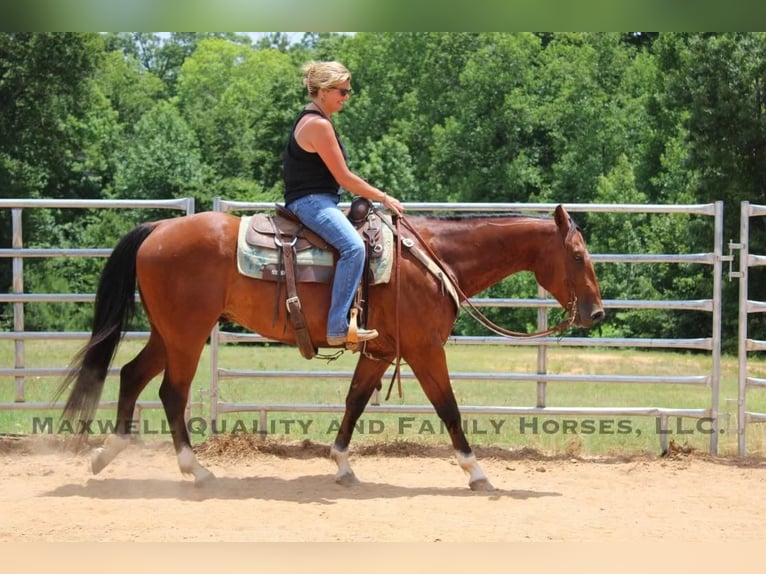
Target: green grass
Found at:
554, 434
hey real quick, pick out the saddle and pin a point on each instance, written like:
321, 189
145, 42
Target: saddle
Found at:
286, 251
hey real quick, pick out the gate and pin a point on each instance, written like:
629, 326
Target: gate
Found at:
747, 307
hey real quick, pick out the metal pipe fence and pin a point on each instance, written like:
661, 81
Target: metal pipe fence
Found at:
746, 344
18, 253
712, 380
542, 378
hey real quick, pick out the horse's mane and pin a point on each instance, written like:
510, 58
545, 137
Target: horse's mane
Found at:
482, 215
462, 217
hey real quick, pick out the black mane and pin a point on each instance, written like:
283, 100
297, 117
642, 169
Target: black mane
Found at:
482, 215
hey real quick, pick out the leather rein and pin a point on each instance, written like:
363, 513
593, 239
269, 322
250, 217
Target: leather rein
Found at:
471, 309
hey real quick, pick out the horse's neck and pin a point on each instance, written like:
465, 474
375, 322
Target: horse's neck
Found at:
482, 251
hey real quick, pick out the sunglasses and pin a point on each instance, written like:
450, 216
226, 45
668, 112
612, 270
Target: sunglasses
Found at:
343, 91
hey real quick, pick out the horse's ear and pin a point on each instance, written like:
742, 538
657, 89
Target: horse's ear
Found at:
562, 220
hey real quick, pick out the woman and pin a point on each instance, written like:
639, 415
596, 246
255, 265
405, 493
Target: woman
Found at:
315, 172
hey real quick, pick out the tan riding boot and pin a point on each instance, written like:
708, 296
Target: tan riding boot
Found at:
355, 334
360, 336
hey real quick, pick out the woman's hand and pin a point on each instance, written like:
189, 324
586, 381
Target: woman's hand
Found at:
392, 204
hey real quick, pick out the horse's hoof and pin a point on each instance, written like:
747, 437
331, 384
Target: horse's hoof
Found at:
203, 478
97, 463
348, 479
481, 485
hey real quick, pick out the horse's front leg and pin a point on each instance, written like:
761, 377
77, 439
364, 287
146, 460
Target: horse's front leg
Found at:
430, 367
477, 480
365, 380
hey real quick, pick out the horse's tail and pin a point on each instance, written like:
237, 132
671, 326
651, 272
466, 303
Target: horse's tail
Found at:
114, 309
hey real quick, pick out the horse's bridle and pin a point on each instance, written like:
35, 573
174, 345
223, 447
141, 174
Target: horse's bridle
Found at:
465, 302
473, 311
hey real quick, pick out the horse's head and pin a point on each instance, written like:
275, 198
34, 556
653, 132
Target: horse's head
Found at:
570, 276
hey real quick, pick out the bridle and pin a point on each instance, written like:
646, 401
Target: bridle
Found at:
465, 302
473, 311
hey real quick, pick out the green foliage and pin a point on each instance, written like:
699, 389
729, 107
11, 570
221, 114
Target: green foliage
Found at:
669, 118
45, 84
387, 164
644, 233
163, 160
240, 103
76, 275
494, 115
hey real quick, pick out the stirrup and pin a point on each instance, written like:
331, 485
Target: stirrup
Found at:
353, 329
355, 335
361, 336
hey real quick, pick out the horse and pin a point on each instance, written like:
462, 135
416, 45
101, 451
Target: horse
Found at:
187, 278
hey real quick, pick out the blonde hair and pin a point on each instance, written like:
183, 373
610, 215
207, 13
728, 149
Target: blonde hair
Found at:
323, 75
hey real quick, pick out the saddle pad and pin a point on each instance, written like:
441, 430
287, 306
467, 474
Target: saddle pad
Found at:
314, 264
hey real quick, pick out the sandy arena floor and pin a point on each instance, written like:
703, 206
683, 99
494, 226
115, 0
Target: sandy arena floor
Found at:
47, 493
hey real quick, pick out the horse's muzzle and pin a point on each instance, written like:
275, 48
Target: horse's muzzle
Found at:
596, 317
590, 319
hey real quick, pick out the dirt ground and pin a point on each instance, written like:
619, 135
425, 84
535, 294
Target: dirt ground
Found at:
287, 493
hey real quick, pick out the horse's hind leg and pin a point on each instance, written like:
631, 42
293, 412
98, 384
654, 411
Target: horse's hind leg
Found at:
174, 393
134, 377
366, 378
430, 368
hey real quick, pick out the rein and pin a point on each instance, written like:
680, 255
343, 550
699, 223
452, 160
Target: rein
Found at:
398, 361
476, 314
471, 309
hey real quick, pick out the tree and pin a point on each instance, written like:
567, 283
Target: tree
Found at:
240, 103
486, 149
163, 56
49, 135
44, 82
405, 86
590, 113
162, 159
715, 81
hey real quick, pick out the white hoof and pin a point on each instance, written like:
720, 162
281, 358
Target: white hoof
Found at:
113, 445
345, 475
203, 476
189, 465
348, 479
481, 485
477, 480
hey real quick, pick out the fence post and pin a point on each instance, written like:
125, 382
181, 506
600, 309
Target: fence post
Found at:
542, 351
717, 317
18, 307
744, 230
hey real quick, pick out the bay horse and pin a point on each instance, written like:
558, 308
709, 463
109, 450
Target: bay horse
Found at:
187, 277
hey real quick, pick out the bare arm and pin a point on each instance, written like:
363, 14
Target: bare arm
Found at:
316, 135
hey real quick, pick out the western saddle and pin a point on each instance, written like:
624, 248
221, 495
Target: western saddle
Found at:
284, 232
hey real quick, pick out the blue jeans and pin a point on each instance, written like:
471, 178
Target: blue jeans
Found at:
319, 212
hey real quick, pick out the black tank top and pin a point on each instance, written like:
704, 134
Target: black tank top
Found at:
304, 172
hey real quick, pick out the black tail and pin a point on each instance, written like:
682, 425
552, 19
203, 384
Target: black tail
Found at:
114, 308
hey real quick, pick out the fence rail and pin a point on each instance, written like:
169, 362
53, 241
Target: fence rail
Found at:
219, 373
747, 307
17, 253
714, 258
